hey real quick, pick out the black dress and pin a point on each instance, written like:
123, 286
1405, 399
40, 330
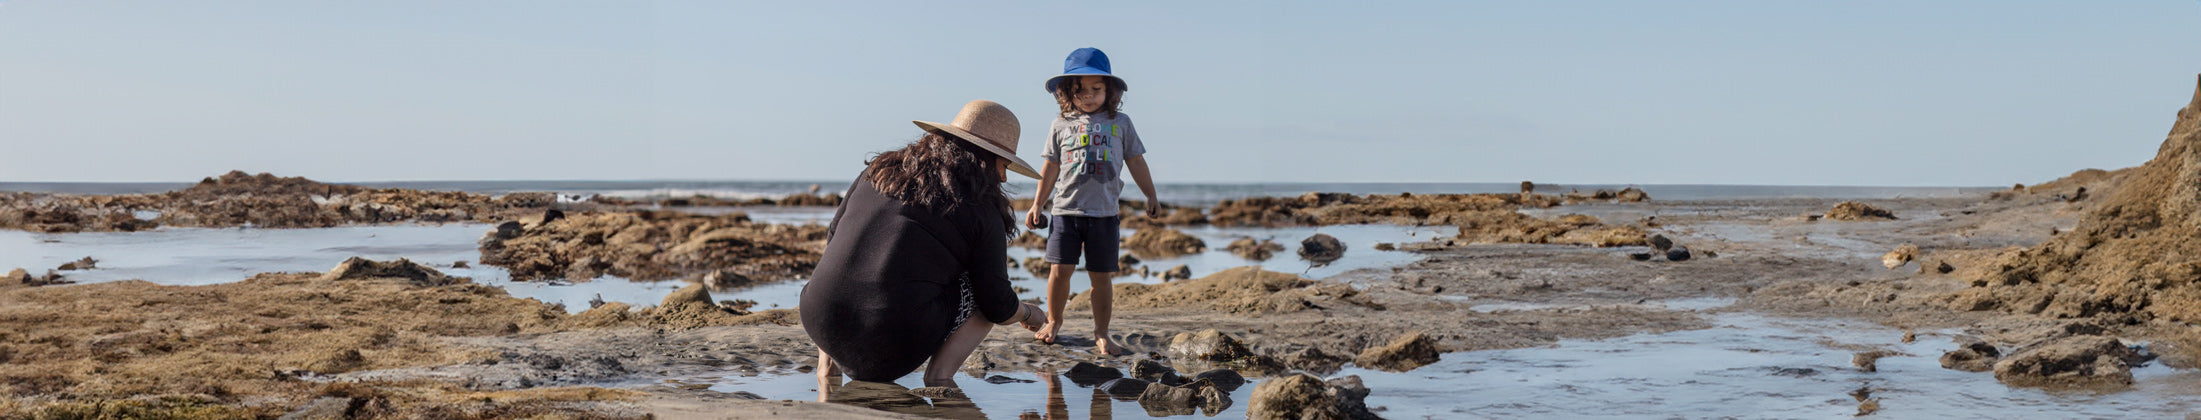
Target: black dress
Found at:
889, 287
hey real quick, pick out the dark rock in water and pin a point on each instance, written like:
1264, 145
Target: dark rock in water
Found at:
1180, 272
1386, 246
1303, 396
84, 264
1321, 248
1974, 356
460, 264
1088, 374
1869, 361
1639, 256
2086, 361
1404, 353
1124, 388
998, 379
1164, 400
1314, 360
1679, 253
1126, 262
1795, 372
1228, 380
1660, 243
1150, 370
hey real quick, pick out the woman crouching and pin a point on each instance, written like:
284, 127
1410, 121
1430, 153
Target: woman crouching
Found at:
915, 266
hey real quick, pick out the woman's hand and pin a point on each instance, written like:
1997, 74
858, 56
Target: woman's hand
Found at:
1034, 318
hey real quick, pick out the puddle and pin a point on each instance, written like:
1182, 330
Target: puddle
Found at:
1683, 304
1748, 366
1027, 395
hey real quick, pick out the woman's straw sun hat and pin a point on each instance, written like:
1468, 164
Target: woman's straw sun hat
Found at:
988, 125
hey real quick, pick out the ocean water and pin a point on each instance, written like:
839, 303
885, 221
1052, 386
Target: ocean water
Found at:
1176, 193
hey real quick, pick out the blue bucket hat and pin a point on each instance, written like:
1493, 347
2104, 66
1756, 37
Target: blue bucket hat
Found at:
1085, 62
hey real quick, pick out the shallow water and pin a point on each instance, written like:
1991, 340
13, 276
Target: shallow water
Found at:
195, 256
1747, 366
1031, 394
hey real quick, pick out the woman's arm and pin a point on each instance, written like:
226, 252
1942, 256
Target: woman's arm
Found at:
989, 267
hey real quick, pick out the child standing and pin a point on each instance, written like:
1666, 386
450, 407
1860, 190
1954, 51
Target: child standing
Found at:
1089, 144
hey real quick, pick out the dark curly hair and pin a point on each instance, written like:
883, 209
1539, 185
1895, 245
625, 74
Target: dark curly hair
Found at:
1064, 91
942, 176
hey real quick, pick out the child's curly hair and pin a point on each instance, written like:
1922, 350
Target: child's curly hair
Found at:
1064, 91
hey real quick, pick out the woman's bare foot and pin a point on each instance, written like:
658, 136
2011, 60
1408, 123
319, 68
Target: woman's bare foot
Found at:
1108, 347
1046, 333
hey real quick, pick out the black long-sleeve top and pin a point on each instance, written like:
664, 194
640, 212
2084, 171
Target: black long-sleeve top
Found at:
885, 293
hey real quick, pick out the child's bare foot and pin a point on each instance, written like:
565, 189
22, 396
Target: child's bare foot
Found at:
1046, 334
1108, 347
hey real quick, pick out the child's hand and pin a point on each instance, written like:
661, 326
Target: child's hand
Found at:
1153, 210
1031, 218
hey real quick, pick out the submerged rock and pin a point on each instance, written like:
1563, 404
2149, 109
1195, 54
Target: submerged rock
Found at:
1973, 356
1257, 250
1228, 380
1413, 350
1124, 388
83, 264
1089, 374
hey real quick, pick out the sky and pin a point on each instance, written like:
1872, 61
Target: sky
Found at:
1885, 93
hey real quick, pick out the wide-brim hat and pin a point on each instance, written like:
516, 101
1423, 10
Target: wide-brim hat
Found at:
989, 126
1086, 62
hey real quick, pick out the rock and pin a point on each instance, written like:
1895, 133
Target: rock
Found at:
1386, 246
1901, 255
84, 264
1209, 345
1678, 253
459, 264
1404, 353
1867, 407
1180, 272
1314, 360
1030, 240
1228, 380
1321, 248
1528, 187
1257, 250
1125, 388
693, 293
1973, 356
1909, 336
1150, 370
1850, 211
1125, 262
1164, 400
1632, 195
356, 268
1163, 243
1660, 243
723, 280
1089, 374
1869, 361
1352, 396
2082, 361
17, 276
1639, 256
1039, 267
1304, 397
1944, 268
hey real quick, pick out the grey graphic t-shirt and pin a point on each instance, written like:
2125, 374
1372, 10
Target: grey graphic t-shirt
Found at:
1090, 150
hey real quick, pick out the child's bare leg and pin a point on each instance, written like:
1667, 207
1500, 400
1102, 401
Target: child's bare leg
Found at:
1058, 294
1104, 300
941, 370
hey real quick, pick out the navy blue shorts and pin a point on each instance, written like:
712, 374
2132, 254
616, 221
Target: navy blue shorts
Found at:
1095, 237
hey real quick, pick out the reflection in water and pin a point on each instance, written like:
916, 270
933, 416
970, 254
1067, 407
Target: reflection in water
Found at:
896, 398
